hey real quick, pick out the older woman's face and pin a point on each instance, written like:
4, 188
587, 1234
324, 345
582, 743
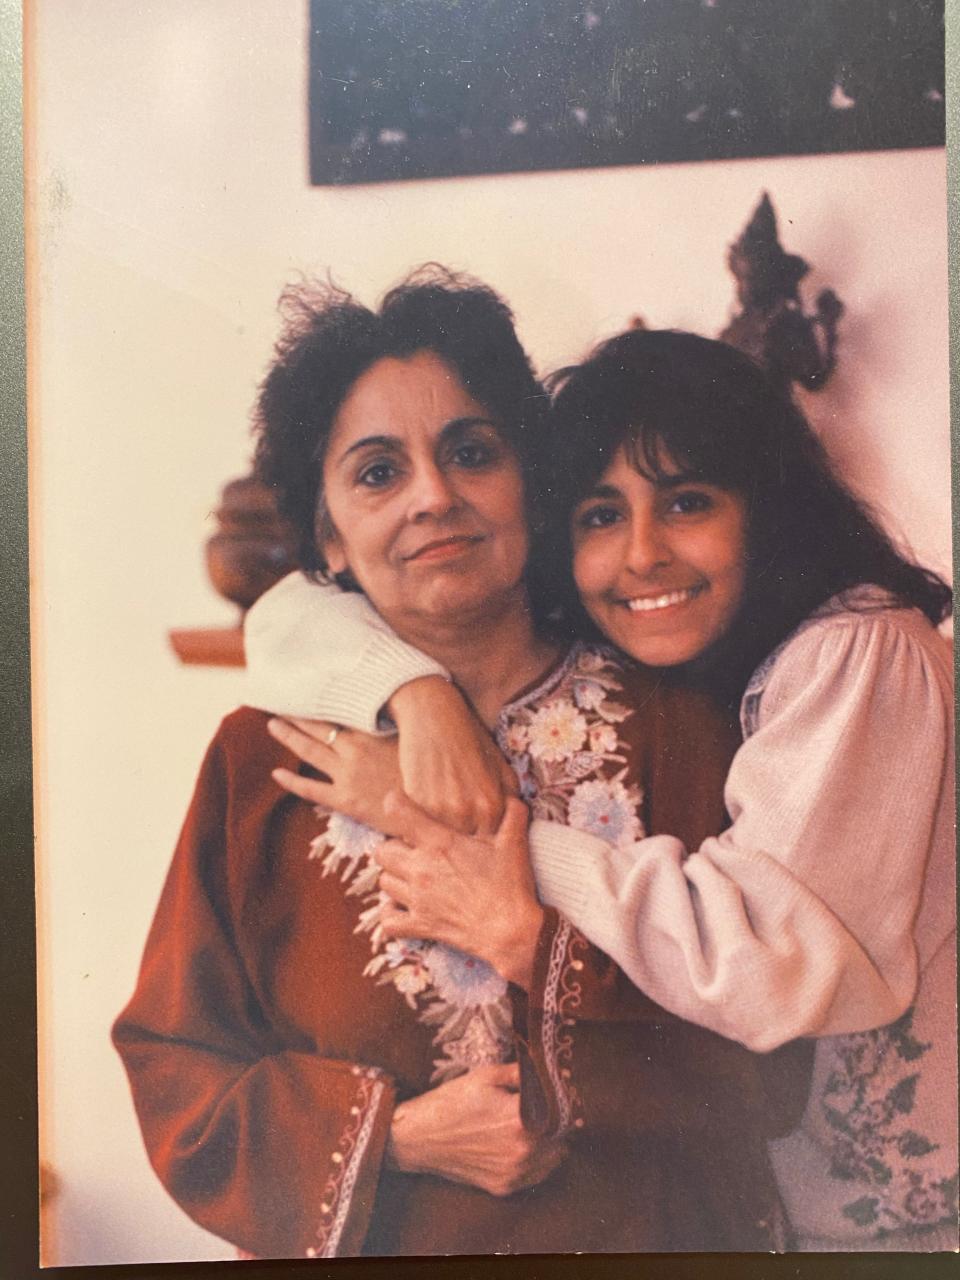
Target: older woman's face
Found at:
424, 496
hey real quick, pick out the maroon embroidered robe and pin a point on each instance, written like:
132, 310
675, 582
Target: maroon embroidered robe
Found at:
265, 1063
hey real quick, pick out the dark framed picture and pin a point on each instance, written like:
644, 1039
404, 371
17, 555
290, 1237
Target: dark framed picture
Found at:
436, 88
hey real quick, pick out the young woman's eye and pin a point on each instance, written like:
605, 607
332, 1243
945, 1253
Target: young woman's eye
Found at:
691, 502
598, 518
377, 475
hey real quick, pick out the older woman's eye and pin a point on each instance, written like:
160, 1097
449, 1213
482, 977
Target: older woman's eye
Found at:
377, 474
474, 453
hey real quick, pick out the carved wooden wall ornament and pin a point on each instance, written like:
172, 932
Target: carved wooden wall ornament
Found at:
771, 326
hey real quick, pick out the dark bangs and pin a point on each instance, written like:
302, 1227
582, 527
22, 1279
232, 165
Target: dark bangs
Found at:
675, 400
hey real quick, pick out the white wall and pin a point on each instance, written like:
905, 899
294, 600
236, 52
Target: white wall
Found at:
170, 202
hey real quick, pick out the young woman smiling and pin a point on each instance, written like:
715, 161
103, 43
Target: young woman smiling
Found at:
660, 560
710, 539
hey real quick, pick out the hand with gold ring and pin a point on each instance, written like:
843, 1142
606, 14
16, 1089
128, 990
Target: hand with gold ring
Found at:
356, 769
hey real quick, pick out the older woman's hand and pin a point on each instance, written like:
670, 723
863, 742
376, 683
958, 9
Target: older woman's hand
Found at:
359, 769
469, 1130
450, 765
473, 892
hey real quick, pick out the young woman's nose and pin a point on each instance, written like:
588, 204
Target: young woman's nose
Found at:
647, 548
431, 492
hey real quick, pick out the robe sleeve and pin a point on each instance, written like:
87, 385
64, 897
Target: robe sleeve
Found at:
597, 1054
798, 919
313, 650
262, 1142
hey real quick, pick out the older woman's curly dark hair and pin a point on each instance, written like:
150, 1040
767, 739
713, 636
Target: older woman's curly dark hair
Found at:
329, 339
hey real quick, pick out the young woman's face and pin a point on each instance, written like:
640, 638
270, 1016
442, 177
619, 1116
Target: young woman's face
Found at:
424, 495
659, 564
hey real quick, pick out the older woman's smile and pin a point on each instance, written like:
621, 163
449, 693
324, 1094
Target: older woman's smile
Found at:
445, 548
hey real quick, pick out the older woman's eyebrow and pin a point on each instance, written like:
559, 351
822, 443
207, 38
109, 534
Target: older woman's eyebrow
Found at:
456, 426
381, 442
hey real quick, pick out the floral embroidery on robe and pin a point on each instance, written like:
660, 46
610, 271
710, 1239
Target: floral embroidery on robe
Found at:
561, 739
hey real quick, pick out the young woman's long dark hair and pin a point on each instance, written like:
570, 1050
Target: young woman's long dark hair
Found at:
703, 406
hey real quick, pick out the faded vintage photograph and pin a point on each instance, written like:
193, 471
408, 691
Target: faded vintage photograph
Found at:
493, 677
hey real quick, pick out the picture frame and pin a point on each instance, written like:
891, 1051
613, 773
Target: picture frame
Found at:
440, 89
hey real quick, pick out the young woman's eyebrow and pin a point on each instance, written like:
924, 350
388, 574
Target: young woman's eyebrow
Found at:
677, 479
601, 491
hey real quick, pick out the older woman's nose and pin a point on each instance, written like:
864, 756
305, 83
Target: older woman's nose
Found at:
431, 492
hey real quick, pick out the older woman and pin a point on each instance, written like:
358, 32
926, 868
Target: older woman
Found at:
306, 1087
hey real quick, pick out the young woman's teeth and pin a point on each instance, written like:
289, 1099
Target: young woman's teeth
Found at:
645, 604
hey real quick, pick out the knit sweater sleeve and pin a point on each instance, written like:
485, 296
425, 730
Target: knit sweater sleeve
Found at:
265, 1142
313, 650
796, 920
584, 1028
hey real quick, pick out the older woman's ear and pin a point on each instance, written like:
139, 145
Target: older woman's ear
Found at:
328, 541
333, 553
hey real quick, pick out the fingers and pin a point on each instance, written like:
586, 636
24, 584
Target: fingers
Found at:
516, 818
396, 857
540, 1165
508, 779
306, 788
525, 1162
504, 1075
485, 816
319, 730
396, 920
408, 821
395, 923
395, 888
302, 744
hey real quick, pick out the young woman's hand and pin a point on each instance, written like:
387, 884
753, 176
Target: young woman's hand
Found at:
450, 765
444, 759
359, 769
476, 893
469, 1130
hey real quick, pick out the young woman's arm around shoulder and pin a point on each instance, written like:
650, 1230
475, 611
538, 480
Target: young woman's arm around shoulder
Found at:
799, 918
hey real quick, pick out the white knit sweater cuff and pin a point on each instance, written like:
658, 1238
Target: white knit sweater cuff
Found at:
563, 859
354, 698
358, 698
